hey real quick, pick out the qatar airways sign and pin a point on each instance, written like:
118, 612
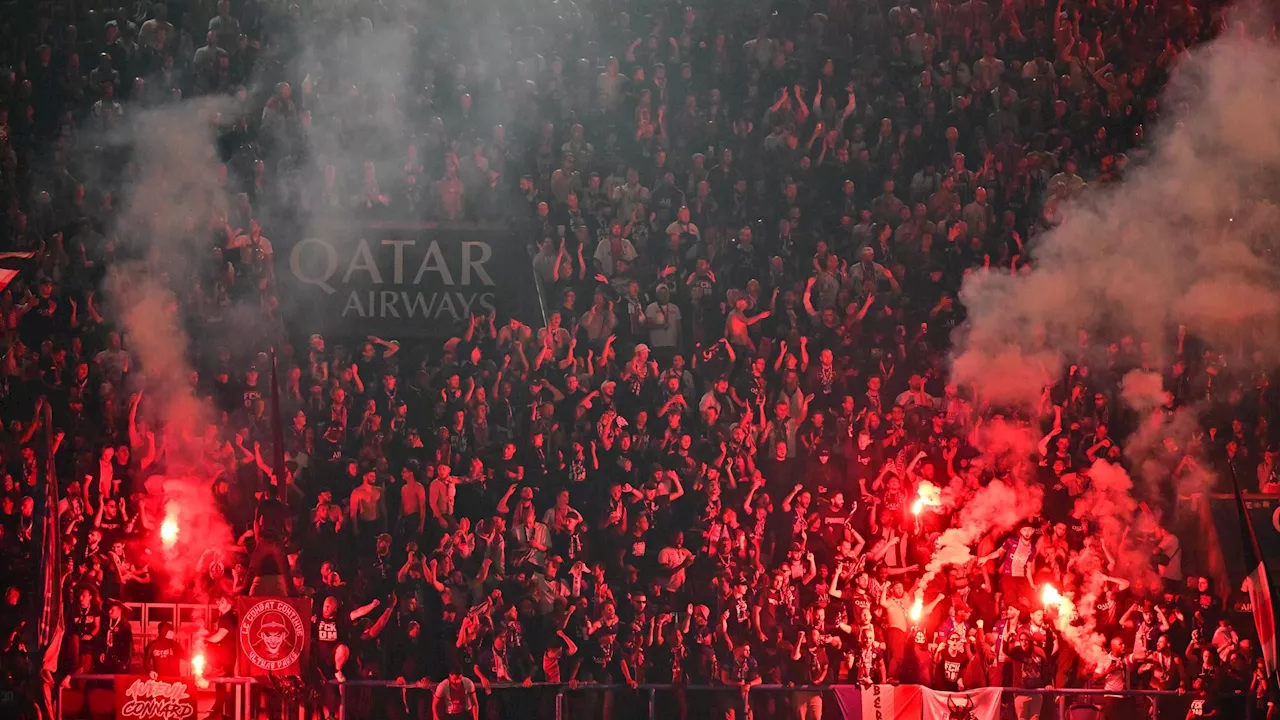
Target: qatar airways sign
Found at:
406, 280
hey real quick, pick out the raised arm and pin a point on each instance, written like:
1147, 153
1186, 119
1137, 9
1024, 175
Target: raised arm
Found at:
363, 610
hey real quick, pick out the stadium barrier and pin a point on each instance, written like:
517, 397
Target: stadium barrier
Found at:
1069, 703
566, 701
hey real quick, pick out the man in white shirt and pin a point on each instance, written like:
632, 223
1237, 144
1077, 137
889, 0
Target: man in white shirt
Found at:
675, 559
683, 226
662, 318
455, 699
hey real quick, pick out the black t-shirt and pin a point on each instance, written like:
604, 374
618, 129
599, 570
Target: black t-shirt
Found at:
41, 321
668, 663
1202, 704
865, 462
602, 662
112, 530
328, 633
752, 389
834, 522
272, 521
1029, 667
949, 671
813, 667
249, 393
858, 600
224, 652
164, 658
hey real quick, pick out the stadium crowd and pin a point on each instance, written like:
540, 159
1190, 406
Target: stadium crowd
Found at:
750, 223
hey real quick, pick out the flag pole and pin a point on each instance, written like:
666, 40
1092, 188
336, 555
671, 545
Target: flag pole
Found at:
277, 432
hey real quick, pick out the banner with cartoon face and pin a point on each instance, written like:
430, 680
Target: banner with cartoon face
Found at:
274, 635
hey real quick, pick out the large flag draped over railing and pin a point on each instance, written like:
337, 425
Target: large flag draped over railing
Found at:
914, 702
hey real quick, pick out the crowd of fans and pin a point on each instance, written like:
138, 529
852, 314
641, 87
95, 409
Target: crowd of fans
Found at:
751, 223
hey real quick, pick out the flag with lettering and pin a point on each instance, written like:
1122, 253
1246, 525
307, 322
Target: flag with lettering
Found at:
913, 702
140, 698
274, 635
879, 702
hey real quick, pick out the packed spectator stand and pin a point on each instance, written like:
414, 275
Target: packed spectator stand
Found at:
749, 224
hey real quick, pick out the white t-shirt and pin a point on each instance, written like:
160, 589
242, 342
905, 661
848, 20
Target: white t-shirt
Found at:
672, 558
456, 698
665, 322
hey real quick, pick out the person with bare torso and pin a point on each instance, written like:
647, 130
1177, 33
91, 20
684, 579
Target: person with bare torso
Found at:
451, 192
737, 324
413, 503
368, 507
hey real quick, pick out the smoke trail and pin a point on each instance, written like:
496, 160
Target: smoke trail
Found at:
1075, 623
175, 187
1124, 533
989, 511
993, 510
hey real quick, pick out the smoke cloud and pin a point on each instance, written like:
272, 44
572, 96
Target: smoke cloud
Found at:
1183, 248
1188, 238
994, 509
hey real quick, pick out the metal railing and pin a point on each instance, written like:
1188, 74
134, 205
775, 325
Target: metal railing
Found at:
651, 690
187, 619
563, 690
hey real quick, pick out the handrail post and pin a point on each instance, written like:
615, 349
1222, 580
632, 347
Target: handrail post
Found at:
1062, 706
653, 703
342, 701
560, 704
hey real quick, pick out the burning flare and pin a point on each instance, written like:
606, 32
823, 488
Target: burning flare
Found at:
917, 609
1051, 596
927, 495
197, 671
169, 531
